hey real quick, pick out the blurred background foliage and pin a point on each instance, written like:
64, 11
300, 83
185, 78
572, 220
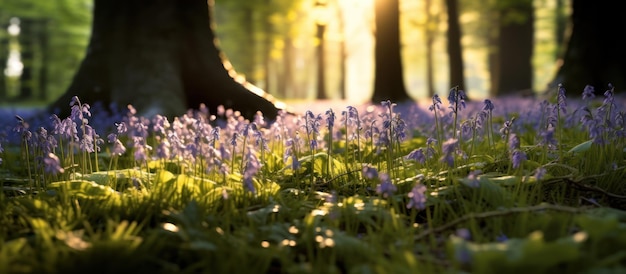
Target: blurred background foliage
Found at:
42, 44
272, 43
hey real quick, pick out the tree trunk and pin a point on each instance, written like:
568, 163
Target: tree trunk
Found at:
4, 53
388, 77
429, 33
594, 55
515, 47
159, 56
455, 53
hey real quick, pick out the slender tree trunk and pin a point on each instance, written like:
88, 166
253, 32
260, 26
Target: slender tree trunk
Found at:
285, 84
430, 39
43, 68
4, 53
515, 47
492, 58
388, 74
160, 57
249, 63
342, 54
321, 64
455, 51
27, 53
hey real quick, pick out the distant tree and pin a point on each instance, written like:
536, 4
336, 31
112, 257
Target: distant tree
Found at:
52, 40
514, 47
160, 57
455, 51
594, 55
388, 73
430, 29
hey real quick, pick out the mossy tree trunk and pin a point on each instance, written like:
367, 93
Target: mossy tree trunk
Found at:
159, 56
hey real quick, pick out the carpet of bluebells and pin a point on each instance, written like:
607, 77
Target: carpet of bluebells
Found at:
508, 185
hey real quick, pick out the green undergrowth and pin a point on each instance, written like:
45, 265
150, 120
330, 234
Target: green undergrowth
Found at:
316, 210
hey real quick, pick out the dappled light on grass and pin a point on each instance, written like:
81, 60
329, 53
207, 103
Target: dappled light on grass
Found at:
481, 186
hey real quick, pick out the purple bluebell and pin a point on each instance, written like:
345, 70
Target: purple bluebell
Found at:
436, 103
369, 172
330, 119
140, 153
417, 155
417, 197
160, 124
251, 168
506, 127
540, 172
589, 92
163, 149
385, 188
448, 150
514, 142
502, 238
456, 98
473, 177
464, 234
488, 105
517, 157
52, 165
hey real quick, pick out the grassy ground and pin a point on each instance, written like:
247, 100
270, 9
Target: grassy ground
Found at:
515, 186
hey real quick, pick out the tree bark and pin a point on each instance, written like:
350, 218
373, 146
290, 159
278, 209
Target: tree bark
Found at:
455, 52
159, 56
388, 74
515, 47
594, 55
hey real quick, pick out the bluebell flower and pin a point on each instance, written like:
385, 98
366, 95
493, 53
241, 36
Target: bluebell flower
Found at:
517, 158
233, 139
456, 98
417, 197
589, 92
22, 126
251, 168
160, 124
399, 129
473, 177
502, 238
369, 172
436, 103
547, 137
57, 125
163, 149
514, 142
353, 116
448, 150
464, 234
488, 105
506, 127
330, 119
540, 172
52, 165
417, 155
140, 154
385, 188
118, 148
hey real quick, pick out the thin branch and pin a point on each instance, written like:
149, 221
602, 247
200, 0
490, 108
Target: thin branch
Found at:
497, 213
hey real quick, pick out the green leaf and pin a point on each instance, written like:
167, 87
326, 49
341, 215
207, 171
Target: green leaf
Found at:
87, 189
530, 255
582, 147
